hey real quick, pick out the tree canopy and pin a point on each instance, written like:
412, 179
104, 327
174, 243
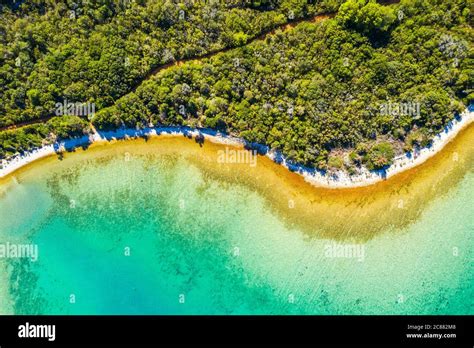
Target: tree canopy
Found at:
355, 90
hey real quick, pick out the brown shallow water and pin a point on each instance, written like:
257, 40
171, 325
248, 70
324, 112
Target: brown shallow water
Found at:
344, 214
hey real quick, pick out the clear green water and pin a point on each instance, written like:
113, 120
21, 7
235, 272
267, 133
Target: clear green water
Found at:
220, 246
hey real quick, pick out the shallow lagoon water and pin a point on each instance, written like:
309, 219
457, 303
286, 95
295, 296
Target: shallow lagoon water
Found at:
159, 227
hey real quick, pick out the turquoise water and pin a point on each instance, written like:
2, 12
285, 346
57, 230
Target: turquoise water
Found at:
155, 235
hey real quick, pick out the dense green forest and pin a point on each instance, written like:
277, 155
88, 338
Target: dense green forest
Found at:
97, 51
318, 92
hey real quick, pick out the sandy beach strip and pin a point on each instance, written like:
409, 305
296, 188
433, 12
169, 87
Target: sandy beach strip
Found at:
317, 178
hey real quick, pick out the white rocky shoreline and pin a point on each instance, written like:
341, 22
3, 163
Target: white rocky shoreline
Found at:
317, 178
